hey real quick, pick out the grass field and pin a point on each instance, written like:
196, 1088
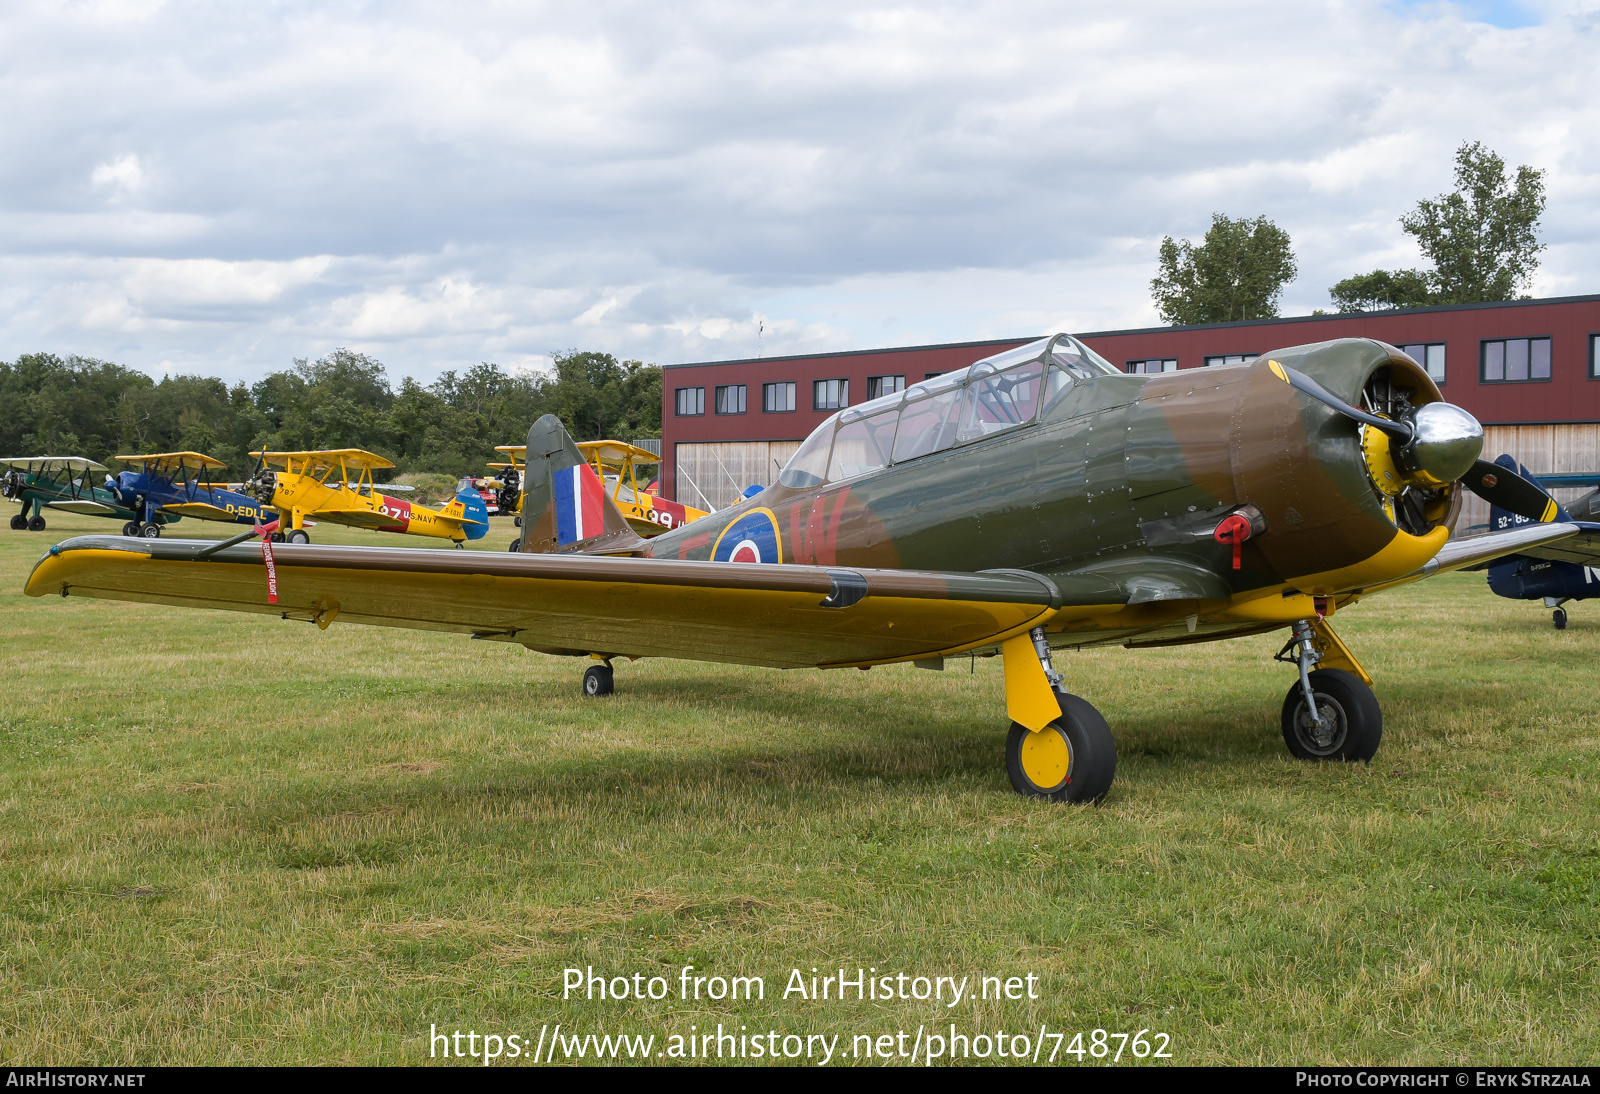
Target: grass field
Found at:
231, 839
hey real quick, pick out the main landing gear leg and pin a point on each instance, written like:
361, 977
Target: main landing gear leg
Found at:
1330, 714
1072, 758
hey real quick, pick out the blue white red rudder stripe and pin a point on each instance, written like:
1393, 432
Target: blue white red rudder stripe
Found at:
580, 504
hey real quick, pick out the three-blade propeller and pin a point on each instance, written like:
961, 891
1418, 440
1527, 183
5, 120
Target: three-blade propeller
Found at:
1494, 484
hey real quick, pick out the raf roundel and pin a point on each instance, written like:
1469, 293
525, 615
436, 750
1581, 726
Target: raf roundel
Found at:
751, 538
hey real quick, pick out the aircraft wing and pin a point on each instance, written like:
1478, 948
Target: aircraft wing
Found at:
778, 616
357, 518
1476, 552
84, 506
1582, 548
203, 510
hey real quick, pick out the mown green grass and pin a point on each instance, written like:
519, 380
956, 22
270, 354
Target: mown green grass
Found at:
228, 839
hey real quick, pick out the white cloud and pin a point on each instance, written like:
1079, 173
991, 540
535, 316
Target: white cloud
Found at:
441, 186
123, 174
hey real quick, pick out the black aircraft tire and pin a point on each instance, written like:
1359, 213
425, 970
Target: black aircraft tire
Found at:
597, 681
19, 523
516, 521
1360, 719
299, 535
514, 546
150, 531
1077, 749
36, 524
1559, 618
131, 528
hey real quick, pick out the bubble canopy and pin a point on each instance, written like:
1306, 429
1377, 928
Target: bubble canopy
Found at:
999, 393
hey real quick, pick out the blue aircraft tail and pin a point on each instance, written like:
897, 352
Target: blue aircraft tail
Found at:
474, 509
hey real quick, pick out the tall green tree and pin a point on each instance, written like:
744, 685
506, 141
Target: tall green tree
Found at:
1237, 272
1484, 237
1483, 240
1381, 289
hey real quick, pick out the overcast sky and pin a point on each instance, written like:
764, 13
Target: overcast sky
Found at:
219, 189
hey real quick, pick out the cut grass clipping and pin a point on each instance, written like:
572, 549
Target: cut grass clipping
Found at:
232, 839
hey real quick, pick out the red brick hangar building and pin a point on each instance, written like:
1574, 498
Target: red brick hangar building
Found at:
1527, 369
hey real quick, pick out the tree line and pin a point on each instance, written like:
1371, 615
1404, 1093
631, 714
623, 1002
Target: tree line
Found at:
1482, 240
78, 406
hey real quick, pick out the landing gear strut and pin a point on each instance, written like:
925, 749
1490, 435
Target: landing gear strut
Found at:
1330, 714
1073, 759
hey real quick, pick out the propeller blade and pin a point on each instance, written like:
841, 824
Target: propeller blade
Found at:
1509, 491
1304, 384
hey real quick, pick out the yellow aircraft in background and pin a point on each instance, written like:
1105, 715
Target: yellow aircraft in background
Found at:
617, 465
336, 485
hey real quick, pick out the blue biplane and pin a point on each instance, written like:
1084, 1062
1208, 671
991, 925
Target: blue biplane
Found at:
162, 485
1553, 580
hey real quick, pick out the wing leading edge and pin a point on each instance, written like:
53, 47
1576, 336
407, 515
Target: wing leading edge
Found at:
777, 616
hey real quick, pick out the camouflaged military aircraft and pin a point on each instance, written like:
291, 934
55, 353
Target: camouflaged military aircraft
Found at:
1038, 500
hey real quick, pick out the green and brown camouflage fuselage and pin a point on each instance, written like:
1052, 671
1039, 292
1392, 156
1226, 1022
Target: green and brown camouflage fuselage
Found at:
1121, 481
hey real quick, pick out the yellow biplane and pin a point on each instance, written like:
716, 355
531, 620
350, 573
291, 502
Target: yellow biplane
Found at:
336, 485
617, 465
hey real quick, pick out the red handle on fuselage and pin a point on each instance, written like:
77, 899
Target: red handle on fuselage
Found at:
1233, 530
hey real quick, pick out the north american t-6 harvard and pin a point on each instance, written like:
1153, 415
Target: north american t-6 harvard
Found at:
1039, 499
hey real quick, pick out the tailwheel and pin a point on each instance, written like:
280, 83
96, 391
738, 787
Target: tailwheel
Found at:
597, 680
1073, 759
19, 522
1348, 723
1559, 619
36, 524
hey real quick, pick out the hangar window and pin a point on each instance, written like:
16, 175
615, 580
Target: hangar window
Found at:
1430, 355
730, 399
1231, 359
830, 394
691, 401
777, 398
1154, 364
879, 386
1514, 360
1594, 356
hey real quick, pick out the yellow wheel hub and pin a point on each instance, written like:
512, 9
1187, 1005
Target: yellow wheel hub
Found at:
1046, 757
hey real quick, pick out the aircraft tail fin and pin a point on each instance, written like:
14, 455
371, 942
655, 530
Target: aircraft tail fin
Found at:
1501, 519
565, 507
469, 505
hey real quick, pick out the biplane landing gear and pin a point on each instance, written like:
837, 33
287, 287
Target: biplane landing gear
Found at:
19, 522
597, 680
1559, 619
36, 524
298, 535
1073, 759
131, 528
150, 531
1330, 714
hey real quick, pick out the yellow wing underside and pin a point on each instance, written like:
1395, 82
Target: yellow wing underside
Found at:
566, 604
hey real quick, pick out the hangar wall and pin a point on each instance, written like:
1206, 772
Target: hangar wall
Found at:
726, 422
